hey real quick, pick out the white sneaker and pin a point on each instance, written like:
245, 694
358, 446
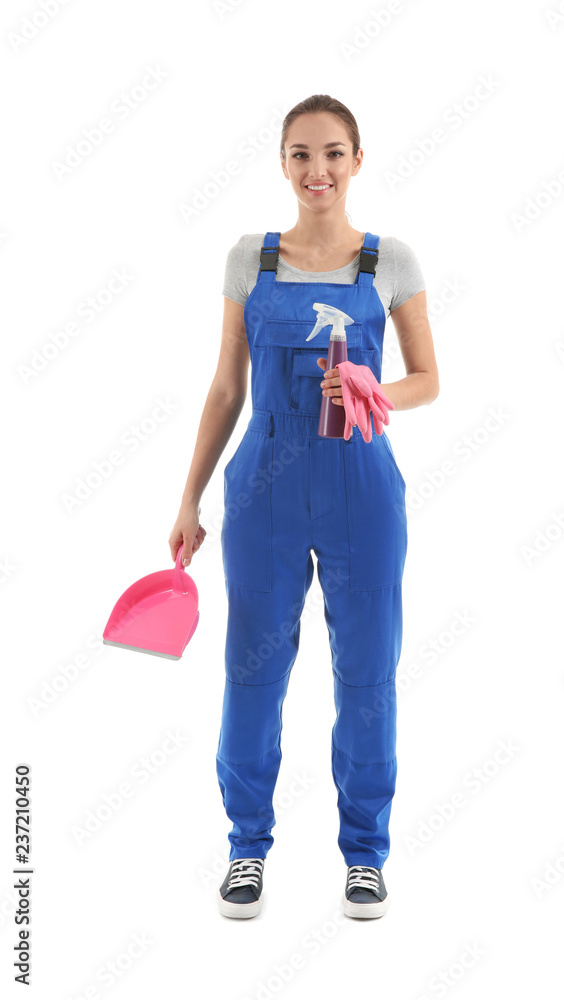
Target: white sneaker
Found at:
240, 894
365, 892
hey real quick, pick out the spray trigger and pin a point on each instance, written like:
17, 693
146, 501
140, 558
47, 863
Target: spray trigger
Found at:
330, 314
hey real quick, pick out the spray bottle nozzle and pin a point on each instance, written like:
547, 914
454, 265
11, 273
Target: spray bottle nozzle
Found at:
330, 314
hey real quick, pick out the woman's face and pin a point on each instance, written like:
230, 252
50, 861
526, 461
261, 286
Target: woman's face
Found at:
319, 153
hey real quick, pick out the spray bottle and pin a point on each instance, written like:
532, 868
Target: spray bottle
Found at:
332, 416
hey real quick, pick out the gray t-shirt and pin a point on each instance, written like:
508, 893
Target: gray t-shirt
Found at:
398, 274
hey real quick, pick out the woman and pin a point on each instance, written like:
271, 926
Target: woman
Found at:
289, 491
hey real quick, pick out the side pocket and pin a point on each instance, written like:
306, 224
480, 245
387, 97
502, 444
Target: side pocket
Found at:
390, 451
246, 533
227, 468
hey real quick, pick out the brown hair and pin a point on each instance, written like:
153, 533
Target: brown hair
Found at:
315, 104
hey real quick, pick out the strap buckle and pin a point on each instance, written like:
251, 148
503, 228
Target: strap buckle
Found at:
269, 258
368, 260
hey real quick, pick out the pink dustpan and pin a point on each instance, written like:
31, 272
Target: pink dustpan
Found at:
158, 614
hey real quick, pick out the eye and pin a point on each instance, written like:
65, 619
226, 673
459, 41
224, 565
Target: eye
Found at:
338, 152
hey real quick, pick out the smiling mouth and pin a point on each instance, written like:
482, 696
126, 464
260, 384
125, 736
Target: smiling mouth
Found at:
318, 188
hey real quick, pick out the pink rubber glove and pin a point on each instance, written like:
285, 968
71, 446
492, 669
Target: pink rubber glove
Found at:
363, 394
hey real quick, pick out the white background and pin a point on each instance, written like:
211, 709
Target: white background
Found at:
483, 212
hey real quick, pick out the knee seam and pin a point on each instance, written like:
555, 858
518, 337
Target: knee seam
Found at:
261, 684
241, 763
364, 763
366, 686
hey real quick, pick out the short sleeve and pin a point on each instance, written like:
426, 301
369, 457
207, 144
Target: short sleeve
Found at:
408, 276
234, 282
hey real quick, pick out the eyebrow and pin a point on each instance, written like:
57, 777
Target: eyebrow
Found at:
304, 145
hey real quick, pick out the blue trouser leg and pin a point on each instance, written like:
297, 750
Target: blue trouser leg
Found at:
363, 752
365, 635
262, 644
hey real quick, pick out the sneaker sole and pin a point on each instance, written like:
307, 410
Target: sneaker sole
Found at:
238, 910
368, 910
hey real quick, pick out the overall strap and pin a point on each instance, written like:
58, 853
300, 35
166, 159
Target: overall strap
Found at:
366, 268
368, 259
269, 257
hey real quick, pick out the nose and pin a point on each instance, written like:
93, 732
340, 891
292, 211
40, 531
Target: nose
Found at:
317, 169
317, 172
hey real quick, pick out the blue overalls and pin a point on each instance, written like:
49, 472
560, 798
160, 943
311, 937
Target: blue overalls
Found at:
288, 492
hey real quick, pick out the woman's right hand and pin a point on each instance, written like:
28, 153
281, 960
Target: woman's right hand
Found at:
188, 532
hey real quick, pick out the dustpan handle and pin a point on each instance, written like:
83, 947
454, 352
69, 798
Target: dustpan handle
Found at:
179, 572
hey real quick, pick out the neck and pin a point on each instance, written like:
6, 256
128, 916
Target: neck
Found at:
327, 230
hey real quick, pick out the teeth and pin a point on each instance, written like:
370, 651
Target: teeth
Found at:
317, 187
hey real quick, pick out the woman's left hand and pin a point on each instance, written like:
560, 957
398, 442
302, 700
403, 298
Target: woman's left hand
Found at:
331, 385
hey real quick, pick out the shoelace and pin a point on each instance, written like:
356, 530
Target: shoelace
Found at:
364, 878
245, 871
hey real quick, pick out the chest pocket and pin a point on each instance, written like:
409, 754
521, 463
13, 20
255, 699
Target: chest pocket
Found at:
305, 391
304, 375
